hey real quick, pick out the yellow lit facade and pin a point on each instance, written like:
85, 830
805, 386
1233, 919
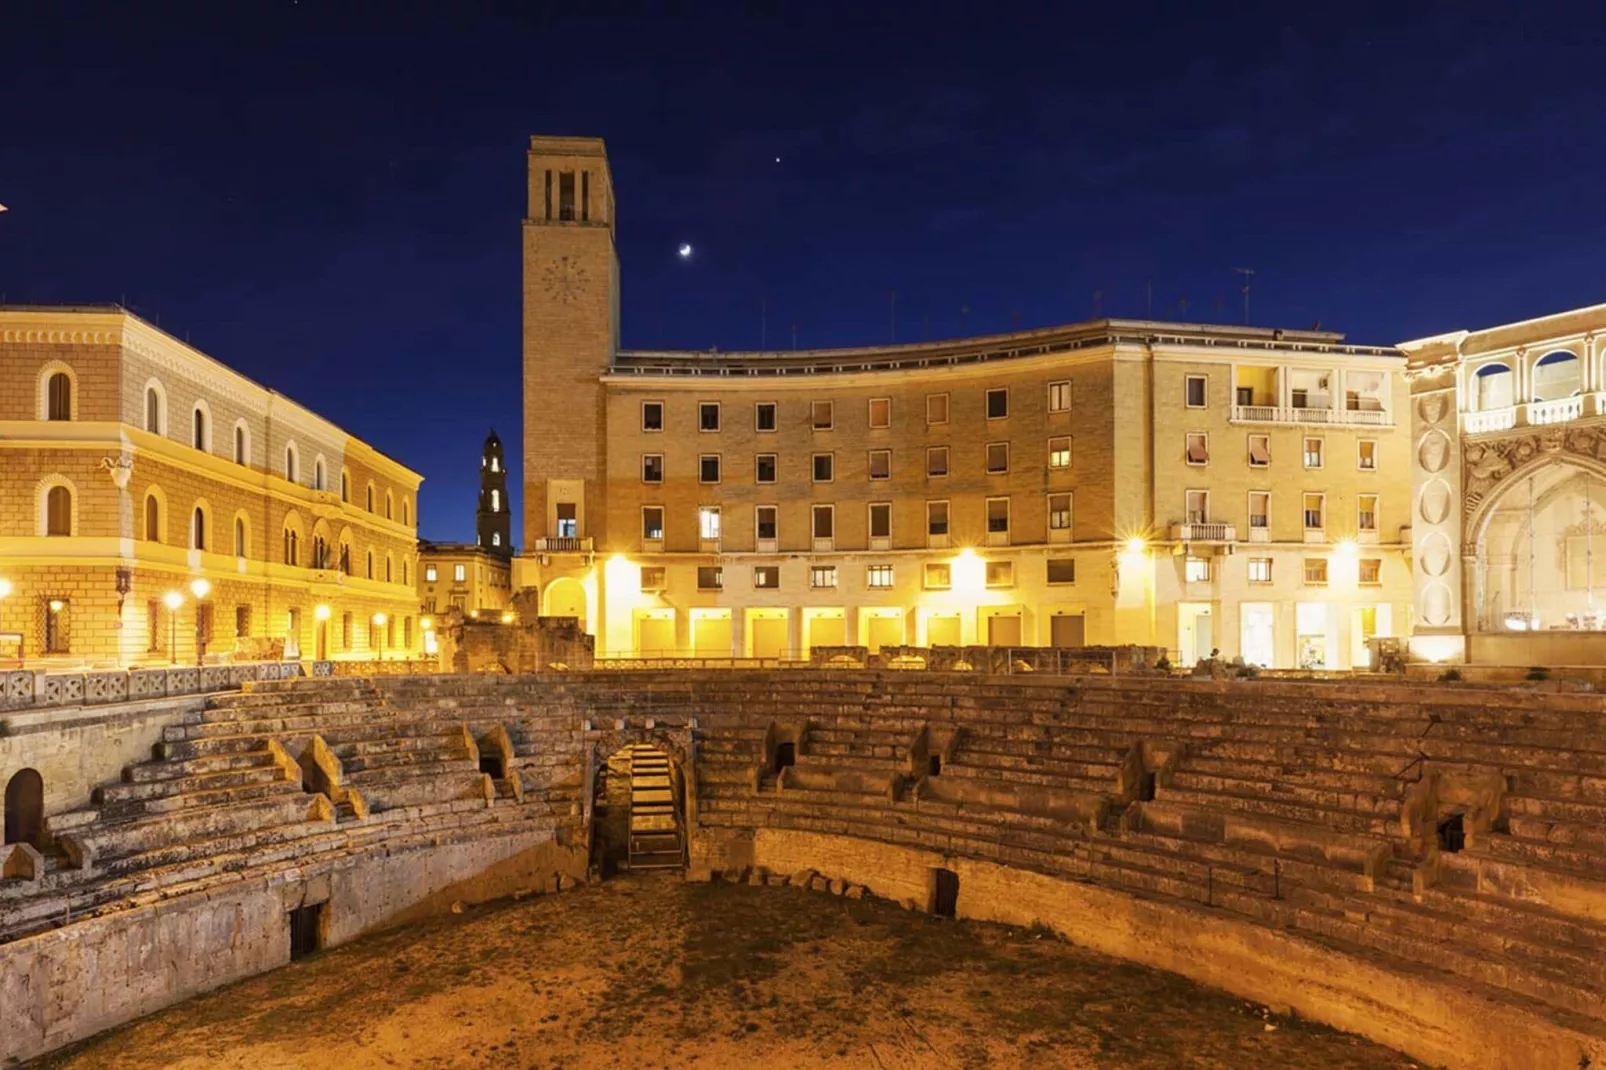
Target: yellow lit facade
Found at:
153, 501
1188, 486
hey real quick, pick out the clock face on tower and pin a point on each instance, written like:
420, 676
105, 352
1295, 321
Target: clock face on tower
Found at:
565, 279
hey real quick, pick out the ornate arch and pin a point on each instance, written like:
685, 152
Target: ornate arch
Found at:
156, 493
204, 411
1492, 469
204, 531
42, 503
49, 369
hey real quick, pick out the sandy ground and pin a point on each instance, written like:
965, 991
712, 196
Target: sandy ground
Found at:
652, 972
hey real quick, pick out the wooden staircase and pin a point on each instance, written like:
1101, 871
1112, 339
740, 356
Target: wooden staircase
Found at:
655, 835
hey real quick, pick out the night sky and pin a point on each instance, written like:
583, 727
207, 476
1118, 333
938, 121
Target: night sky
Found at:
327, 197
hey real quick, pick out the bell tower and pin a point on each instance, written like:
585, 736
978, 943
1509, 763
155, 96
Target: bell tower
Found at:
493, 523
571, 330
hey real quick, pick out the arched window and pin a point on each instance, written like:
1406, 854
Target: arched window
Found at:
239, 536
320, 552
496, 501
153, 519
387, 568
345, 559
242, 448
198, 439
407, 512
317, 474
58, 511
370, 497
370, 564
198, 529
345, 487
405, 571
390, 506
292, 547
290, 462
153, 410
496, 538
1556, 376
58, 397
1494, 387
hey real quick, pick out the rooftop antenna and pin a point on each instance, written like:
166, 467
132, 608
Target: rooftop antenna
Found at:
1247, 273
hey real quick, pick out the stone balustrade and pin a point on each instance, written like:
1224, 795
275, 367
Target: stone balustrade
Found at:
33, 688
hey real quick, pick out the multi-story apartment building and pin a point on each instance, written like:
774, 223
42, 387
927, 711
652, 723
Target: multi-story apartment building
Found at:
1195, 487
153, 501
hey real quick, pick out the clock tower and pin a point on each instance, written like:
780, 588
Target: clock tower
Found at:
571, 330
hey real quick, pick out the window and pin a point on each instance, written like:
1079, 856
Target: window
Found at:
764, 416
936, 408
708, 521
766, 577
1315, 506
292, 547
652, 577
1195, 391
57, 631
1260, 570
997, 458
430, 573
58, 511
58, 397
1059, 397
153, 412
345, 487
708, 416
568, 520
878, 577
290, 463
318, 481
710, 578
1260, 509
1196, 505
153, 519
1367, 454
1315, 570
764, 468
880, 464
1198, 447
939, 577
936, 518
496, 538
822, 415
822, 576
496, 500
566, 196
765, 521
239, 536
880, 520
708, 468
880, 412
997, 516
998, 403
652, 468
1366, 513
370, 497
1313, 453
242, 451
1370, 571
198, 529
824, 521
242, 621
1000, 573
198, 428
1259, 451
389, 569
1059, 451
823, 467
1062, 570
459, 573
348, 631
936, 460
1059, 512
652, 523
1196, 570
368, 564
652, 416
407, 509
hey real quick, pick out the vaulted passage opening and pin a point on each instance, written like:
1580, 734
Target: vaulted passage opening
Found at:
306, 931
785, 755
1452, 833
25, 808
639, 810
944, 893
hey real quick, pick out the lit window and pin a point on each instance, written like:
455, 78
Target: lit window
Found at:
936, 460
652, 416
764, 416
764, 468
1259, 451
936, 518
459, 573
710, 577
1315, 570
708, 521
823, 467
765, 521
939, 577
1059, 452
936, 408
1196, 391
652, 523
430, 574
767, 576
1370, 571
708, 416
1367, 454
997, 516
1314, 508
997, 458
881, 520
568, 520
652, 468
1062, 570
1366, 513
652, 577
880, 464
1059, 397
1196, 570
708, 468
1000, 573
822, 576
496, 464
1198, 447
824, 521
878, 577
880, 412
998, 403
496, 501
1313, 453
1260, 570
822, 415
1059, 512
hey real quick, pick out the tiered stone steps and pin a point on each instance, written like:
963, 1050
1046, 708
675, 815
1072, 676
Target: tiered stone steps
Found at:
655, 833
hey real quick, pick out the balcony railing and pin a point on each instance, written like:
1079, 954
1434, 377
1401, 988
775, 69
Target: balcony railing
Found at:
1207, 532
1555, 412
563, 544
1292, 414
1490, 420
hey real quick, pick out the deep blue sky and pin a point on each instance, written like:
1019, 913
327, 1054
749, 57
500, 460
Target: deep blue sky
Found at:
327, 196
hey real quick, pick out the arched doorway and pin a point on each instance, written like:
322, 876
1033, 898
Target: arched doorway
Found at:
25, 808
1541, 552
638, 812
565, 597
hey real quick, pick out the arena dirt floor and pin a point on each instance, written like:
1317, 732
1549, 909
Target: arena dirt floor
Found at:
652, 972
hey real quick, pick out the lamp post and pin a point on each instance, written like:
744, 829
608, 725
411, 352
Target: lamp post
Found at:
379, 634
321, 614
200, 588
172, 599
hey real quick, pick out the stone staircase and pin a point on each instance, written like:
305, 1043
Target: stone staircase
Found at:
655, 832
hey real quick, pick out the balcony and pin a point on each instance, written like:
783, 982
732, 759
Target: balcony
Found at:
1490, 420
1555, 412
1292, 414
1204, 532
563, 544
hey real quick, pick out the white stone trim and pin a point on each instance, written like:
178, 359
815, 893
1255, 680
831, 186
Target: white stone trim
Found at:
155, 384
42, 388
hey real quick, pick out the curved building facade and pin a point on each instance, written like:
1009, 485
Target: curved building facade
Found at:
1190, 486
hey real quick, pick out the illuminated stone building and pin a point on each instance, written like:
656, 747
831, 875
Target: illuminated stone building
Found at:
136, 471
474, 578
1191, 486
1509, 460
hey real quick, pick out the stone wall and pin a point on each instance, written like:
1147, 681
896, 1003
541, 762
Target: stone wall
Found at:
523, 646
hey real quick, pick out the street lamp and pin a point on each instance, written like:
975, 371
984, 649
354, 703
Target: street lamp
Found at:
200, 588
320, 613
379, 635
172, 599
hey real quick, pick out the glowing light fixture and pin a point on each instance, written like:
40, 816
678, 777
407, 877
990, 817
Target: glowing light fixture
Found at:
1136, 545
427, 624
507, 618
321, 612
200, 589
380, 619
5, 588
56, 605
1347, 548
172, 599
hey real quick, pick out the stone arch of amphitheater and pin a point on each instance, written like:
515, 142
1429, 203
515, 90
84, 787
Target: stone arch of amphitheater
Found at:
1417, 863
